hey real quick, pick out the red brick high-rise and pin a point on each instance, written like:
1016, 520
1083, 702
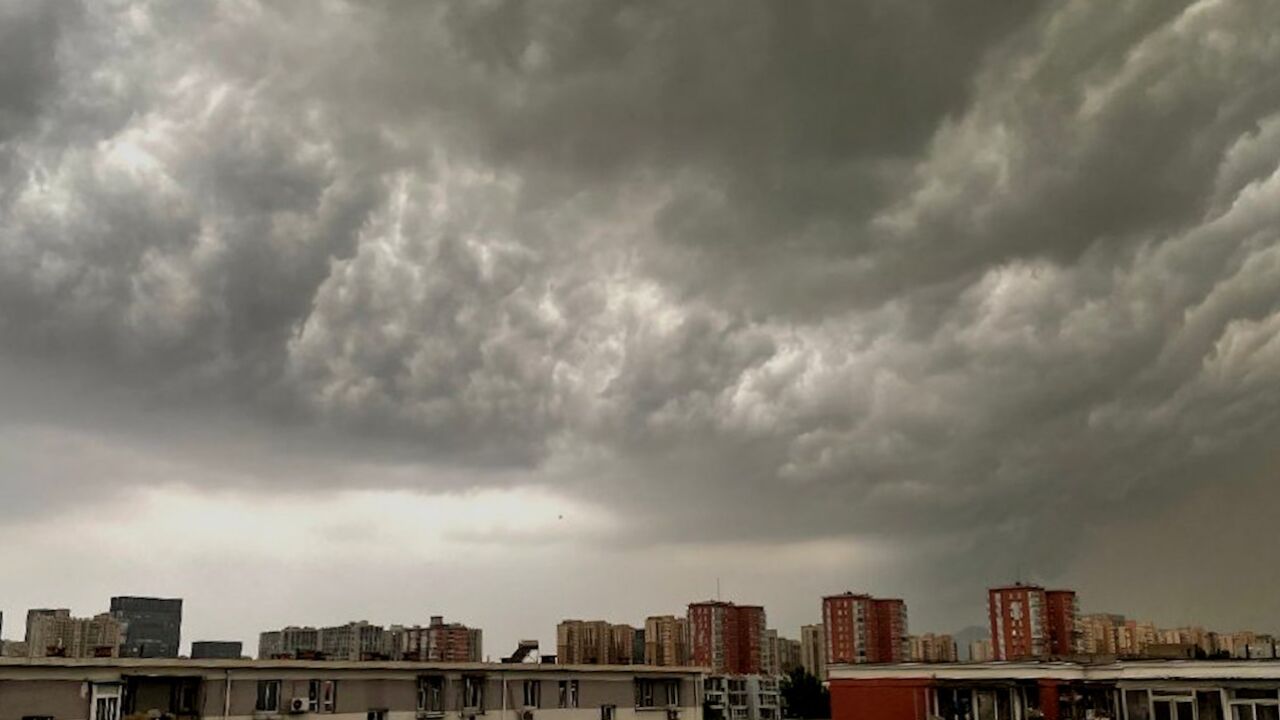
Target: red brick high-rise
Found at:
1019, 625
891, 630
1029, 622
1063, 621
863, 629
725, 637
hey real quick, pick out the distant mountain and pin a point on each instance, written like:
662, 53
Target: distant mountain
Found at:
968, 635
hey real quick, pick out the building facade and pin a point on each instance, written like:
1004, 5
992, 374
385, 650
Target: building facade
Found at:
1058, 690
353, 641
1062, 612
981, 651
118, 689
727, 638
742, 697
590, 642
931, 648
153, 626
863, 629
55, 633
788, 655
666, 641
453, 642
362, 641
290, 643
813, 650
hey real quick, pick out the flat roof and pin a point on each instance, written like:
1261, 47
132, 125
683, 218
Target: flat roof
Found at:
142, 664
1065, 670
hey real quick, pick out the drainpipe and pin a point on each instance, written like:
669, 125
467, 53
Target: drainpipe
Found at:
226, 694
503, 716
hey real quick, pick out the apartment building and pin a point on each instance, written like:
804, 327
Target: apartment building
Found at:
1062, 615
1028, 621
770, 663
666, 641
980, 651
55, 633
353, 641
153, 626
623, 644
181, 689
779, 655
291, 642
453, 642
931, 648
586, 642
727, 638
861, 629
813, 650
788, 655
741, 697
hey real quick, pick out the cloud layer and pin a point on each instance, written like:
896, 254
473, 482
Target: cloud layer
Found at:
976, 282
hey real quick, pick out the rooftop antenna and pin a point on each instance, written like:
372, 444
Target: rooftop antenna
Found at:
717, 589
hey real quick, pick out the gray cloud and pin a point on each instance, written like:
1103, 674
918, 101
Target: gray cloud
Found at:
970, 280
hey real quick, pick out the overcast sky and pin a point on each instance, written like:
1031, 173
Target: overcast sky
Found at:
511, 312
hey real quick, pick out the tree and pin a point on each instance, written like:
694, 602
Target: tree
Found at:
803, 696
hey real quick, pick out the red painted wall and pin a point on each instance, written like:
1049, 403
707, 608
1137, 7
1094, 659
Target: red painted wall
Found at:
880, 699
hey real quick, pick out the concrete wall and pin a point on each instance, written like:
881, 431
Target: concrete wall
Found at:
63, 699
62, 691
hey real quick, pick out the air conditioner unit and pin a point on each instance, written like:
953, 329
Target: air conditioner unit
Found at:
298, 705
673, 713
526, 714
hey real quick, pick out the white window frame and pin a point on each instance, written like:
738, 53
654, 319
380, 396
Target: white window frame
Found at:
1174, 697
258, 700
532, 692
431, 693
1252, 703
322, 696
568, 694
106, 701
473, 692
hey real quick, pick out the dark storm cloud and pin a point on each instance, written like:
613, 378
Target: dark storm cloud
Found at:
886, 269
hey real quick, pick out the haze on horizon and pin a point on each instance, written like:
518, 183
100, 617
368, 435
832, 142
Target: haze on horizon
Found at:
513, 312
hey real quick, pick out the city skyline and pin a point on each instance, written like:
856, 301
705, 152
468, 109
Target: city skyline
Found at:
519, 312
1083, 642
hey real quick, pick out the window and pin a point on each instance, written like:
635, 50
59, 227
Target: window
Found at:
268, 696
1254, 704
657, 693
431, 694
644, 693
105, 702
473, 692
377, 715
606, 712
568, 693
185, 698
1173, 708
322, 696
532, 693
